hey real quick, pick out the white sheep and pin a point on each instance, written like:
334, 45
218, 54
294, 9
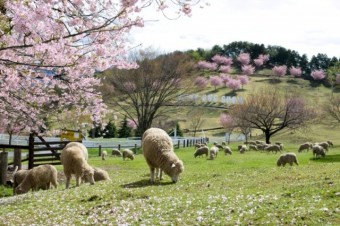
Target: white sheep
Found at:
18, 177
305, 146
127, 153
159, 154
38, 177
280, 145
116, 152
213, 152
74, 162
325, 145
252, 147
289, 158
243, 149
104, 154
98, 175
318, 150
79, 145
227, 150
204, 150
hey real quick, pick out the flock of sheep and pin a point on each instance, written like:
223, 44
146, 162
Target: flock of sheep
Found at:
159, 155
319, 149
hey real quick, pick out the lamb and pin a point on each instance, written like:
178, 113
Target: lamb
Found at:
213, 152
99, 175
159, 154
38, 177
273, 148
74, 162
318, 150
204, 150
104, 154
289, 158
116, 152
227, 150
305, 146
127, 153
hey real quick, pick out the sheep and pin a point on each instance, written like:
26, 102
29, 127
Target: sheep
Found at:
280, 145
198, 145
250, 142
224, 143
116, 152
74, 162
213, 152
99, 175
104, 154
289, 158
127, 153
273, 148
253, 147
243, 149
159, 154
79, 145
38, 177
318, 150
305, 146
18, 177
204, 150
227, 150
330, 143
325, 145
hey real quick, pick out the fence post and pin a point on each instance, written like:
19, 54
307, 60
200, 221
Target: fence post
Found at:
100, 150
118, 146
135, 150
31, 151
178, 143
3, 167
17, 158
183, 143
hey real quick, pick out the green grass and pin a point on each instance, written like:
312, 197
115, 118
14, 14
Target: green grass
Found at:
241, 189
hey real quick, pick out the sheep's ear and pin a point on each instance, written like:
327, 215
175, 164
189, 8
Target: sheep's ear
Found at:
173, 165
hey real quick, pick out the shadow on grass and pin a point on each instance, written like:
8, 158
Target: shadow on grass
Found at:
327, 158
145, 183
292, 81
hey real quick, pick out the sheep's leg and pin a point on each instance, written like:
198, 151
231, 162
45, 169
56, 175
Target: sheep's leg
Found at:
78, 178
152, 174
160, 174
68, 179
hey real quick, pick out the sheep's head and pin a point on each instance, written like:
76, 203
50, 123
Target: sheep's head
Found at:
175, 169
132, 157
88, 175
20, 190
279, 162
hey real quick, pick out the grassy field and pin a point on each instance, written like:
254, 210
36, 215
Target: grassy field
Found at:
241, 189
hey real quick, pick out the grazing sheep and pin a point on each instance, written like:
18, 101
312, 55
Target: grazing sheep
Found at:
127, 153
273, 148
280, 145
18, 177
79, 145
198, 145
159, 154
250, 142
289, 158
318, 151
224, 143
116, 152
202, 151
305, 146
227, 150
243, 149
213, 152
253, 147
330, 143
98, 175
104, 154
220, 147
325, 145
74, 162
38, 177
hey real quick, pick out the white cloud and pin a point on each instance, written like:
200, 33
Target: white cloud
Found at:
307, 26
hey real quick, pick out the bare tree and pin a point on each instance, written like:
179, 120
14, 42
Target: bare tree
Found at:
272, 111
333, 108
151, 90
195, 117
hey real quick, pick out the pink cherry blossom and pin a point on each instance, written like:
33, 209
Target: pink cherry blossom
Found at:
318, 74
215, 81
279, 70
201, 82
222, 60
295, 71
244, 58
234, 84
247, 69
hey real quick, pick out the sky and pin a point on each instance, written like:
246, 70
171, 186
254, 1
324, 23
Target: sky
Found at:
306, 26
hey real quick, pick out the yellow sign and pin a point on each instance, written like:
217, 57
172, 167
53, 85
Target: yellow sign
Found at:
71, 135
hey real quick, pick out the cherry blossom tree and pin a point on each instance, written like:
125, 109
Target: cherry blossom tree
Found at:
222, 60
244, 80
318, 74
279, 71
131, 123
215, 81
50, 50
295, 71
225, 68
247, 69
233, 84
207, 65
244, 58
228, 123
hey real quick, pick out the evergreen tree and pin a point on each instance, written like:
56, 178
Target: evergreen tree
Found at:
96, 133
124, 130
110, 130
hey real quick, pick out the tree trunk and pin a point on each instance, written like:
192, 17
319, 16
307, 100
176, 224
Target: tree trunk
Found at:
267, 135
